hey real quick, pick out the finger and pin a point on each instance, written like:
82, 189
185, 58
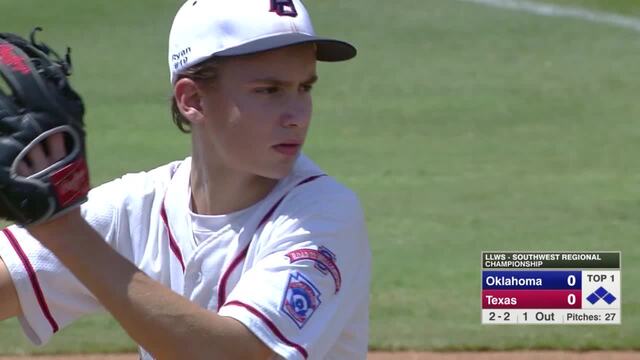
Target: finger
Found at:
23, 169
37, 158
55, 145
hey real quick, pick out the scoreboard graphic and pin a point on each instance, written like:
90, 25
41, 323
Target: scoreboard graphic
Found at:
551, 287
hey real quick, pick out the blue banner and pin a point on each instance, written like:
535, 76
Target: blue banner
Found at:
531, 279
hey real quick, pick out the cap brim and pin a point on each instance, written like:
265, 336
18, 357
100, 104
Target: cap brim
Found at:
328, 49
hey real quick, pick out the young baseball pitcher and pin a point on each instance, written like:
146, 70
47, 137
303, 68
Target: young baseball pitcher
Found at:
244, 250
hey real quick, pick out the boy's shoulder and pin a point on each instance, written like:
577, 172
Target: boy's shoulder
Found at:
322, 186
318, 195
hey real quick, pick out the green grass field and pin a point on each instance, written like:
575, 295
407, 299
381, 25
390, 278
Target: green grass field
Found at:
462, 127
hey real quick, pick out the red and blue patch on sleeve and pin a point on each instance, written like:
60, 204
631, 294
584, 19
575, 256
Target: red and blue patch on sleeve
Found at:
301, 299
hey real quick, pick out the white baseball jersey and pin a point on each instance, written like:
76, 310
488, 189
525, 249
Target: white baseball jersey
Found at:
294, 268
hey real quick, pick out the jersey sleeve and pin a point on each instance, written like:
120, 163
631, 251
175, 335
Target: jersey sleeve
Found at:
309, 283
50, 296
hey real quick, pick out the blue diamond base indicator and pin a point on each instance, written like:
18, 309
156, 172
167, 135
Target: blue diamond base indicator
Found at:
601, 292
609, 298
593, 298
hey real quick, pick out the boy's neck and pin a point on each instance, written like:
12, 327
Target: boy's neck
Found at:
218, 190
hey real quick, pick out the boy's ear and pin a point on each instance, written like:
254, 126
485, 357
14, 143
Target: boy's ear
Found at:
188, 98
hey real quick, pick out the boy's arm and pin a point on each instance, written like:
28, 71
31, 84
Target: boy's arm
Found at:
163, 322
9, 305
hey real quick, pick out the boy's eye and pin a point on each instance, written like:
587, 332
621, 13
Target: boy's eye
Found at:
306, 88
267, 90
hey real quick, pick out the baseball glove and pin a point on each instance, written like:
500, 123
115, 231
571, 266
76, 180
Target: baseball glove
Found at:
36, 103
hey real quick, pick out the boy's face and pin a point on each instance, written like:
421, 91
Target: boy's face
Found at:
258, 109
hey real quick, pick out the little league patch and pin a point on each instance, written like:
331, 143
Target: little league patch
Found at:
301, 299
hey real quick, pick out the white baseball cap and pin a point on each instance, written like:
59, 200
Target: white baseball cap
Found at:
206, 28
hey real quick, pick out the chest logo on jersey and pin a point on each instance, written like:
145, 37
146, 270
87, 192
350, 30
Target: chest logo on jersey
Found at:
324, 259
301, 299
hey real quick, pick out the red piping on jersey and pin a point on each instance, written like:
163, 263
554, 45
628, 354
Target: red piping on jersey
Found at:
271, 326
33, 278
172, 241
222, 289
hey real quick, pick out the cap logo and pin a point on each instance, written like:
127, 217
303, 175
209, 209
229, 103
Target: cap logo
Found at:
284, 8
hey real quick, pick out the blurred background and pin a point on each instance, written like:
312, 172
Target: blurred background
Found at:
462, 125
